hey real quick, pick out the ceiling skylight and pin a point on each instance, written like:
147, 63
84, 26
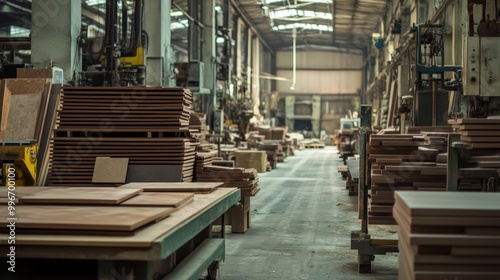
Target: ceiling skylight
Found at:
299, 14
301, 25
298, 1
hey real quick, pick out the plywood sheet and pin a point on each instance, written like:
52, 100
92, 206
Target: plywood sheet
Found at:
196, 187
170, 199
110, 170
95, 196
22, 116
85, 217
451, 204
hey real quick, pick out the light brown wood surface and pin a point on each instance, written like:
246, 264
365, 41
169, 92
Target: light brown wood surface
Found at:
85, 217
95, 196
143, 238
196, 187
170, 199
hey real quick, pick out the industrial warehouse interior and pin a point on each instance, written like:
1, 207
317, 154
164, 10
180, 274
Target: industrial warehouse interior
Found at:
250, 139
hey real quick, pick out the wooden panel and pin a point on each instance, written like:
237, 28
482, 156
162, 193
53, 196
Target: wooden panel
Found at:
171, 199
110, 170
85, 217
23, 110
81, 196
144, 237
196, 187
453, 234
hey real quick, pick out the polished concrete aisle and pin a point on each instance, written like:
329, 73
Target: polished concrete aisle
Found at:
301, 224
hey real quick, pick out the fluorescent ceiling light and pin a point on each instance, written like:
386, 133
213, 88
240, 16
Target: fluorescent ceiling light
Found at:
294, 13
184, 23
176, 14
298, 1
95, 2
300, 25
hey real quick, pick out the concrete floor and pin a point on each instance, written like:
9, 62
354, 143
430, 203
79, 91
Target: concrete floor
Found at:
300, 226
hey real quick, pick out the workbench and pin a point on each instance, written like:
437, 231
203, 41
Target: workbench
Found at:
178, 247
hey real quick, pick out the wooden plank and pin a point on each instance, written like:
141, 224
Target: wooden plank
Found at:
85, 217
95, 196
450, 204
143, 238
171, 199
196, 187
21, 116
110, 170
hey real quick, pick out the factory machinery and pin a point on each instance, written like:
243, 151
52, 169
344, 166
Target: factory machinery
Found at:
118, 59
473, 92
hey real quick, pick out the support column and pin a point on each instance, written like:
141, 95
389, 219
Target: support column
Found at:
159, 57
208, 46
249, 63
256, 75
239, 59
55, 27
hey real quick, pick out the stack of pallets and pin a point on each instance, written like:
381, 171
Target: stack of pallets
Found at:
246, 179
148, 125
399, 163
448, 235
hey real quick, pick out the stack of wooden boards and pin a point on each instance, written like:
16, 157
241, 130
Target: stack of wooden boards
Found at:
144, 124
272, 149
246, 179
448, 235
99, 211
273, 133
203, 159
478, 133
398, 162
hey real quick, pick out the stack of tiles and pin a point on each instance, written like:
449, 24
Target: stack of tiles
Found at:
147, 125
448, 235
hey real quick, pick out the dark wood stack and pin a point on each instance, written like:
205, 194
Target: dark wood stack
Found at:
246, 179
73, 158
436, 140
274, 133
254, 139
398, 163
125, 109
139, 123
202, 160
448, 235
478, 133
272, 149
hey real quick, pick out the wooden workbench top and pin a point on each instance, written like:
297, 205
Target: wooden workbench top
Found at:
152, 242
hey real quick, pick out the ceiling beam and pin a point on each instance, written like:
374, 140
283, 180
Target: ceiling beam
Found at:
242, 14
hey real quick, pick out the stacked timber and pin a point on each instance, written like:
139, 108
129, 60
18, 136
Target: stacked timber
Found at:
272, 149
478, 133
93, 211
203, 159
397, 162
147, 125
448, 235
273, 133
246, 179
